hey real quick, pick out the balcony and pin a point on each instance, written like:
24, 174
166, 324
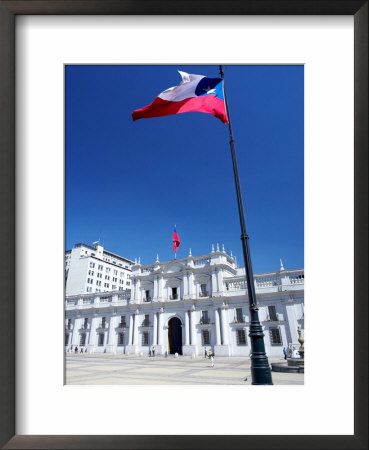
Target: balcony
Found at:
147, 299
174, 297
204, 294
103, 325
84, 327
122, 325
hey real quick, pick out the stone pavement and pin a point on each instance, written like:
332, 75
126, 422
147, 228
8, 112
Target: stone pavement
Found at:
107, 369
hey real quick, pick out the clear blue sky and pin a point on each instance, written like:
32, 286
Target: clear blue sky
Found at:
128, 183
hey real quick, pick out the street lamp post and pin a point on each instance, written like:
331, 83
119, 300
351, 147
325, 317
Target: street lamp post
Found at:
260, 370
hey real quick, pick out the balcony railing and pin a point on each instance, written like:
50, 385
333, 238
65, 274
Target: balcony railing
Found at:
204, 321
102, 325
122, 325
147, 299
174, 297
204, 294
239, 320
145, 323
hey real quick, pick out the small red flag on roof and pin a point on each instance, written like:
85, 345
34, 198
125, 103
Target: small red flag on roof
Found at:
175, 239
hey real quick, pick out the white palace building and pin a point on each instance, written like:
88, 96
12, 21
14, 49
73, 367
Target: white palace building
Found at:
183, 306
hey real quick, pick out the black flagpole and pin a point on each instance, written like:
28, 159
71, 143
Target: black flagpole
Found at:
260, 370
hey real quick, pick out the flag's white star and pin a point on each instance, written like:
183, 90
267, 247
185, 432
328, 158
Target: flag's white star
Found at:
209, 90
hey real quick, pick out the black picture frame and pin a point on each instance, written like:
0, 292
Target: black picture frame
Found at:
8, 11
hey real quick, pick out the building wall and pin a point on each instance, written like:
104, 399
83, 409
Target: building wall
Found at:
184, 289
91, 269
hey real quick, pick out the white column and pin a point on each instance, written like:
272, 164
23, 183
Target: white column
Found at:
187, 328
214, 287
130, 330
160, 328
94, 325
111, 339
155, 293
185, 285
225, 326
135, 330
193, 328
220, 280
191, 284
138, 291
133, 289
155, 329
160, 287
217, 327
76, 326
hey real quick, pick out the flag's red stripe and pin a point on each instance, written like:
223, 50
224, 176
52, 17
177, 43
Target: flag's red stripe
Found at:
207, 104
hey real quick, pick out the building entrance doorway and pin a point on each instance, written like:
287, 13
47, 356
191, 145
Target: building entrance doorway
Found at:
175, 336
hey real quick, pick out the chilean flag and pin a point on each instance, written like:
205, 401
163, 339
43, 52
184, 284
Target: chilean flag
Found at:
195, 93
175, 240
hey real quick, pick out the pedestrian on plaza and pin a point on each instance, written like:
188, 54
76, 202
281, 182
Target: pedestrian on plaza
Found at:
81, 350
206, 353
211, 356
76, 350
86, 350
285, 352
153, 351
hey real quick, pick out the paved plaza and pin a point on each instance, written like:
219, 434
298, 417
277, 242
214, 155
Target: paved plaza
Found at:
107, 369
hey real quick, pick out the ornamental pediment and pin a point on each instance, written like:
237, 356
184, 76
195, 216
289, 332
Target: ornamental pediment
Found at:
174, 267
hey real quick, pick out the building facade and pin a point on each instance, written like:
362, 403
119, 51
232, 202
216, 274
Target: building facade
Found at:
91, 269
185, 306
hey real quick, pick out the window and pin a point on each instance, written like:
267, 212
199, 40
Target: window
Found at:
91, 272
122, 322
103, 322
121, 274
85, 323
275, 336
106, 285
92, 265
82, 339
107, 269
204, 317
69, 324
120, 338
271, 312
146, 321
128, 283
145, 338
88, 289
147, 296
100, 267
205, 336
107, 277
115, 272
101, 340
66, 338
203, 292
241, 337
121, 281
239, 315
115, 279
99, 275
174, 295
98, 283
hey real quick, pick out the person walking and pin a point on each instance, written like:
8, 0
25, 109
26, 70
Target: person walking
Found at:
211, 357
76, 350
285, 352
206, 353
153, 351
